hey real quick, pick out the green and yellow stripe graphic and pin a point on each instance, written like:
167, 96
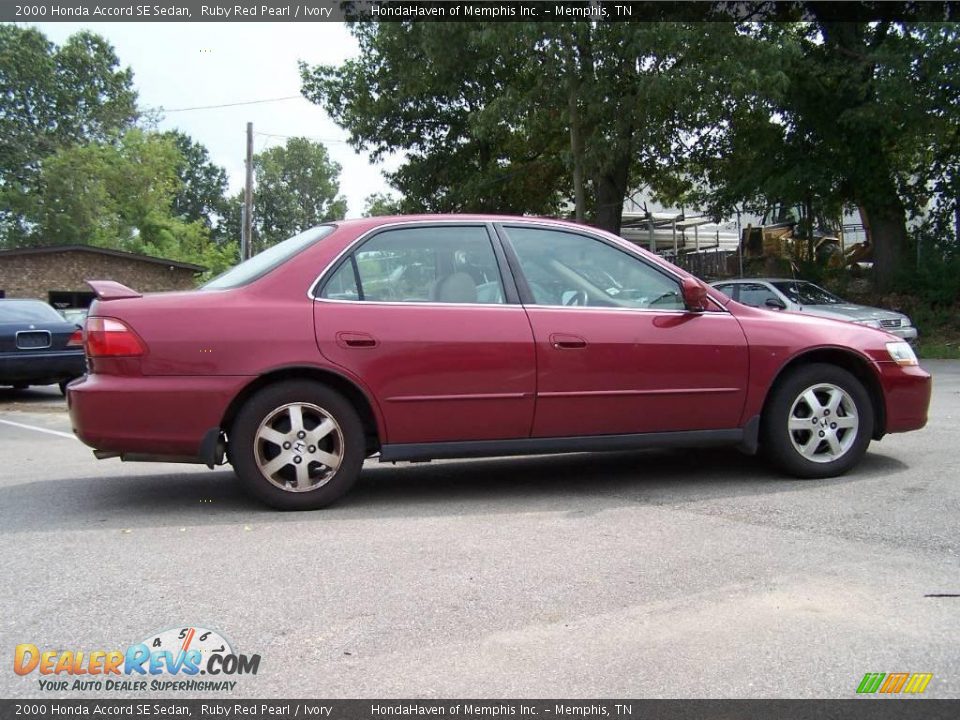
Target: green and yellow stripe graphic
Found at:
914, 683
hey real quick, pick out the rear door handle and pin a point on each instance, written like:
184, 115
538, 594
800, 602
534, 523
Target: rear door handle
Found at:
567, 342
356, 340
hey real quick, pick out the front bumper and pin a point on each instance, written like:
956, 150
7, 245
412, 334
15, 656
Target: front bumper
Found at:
41, 368
159, 415
908, 333
906, 393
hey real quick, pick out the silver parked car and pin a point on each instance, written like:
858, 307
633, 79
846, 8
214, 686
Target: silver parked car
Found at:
803, 296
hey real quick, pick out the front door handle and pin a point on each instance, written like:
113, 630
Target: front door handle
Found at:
356, 340
567, 342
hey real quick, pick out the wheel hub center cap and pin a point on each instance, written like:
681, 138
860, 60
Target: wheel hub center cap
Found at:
298, 447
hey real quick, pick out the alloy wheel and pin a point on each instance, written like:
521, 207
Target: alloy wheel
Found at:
299, 447
823, 423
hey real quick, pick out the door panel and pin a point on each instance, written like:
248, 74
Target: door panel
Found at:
439, 373
616, 350
637, 371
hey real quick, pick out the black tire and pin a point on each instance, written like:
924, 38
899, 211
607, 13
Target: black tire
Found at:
826, 448
20, 386
63, 386
272, 411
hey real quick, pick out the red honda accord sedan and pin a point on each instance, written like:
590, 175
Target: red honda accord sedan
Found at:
465, 336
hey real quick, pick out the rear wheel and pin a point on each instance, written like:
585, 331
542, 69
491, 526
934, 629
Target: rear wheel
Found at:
297, 445
818, 423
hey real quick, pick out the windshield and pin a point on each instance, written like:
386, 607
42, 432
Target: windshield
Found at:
27, 311
806, 293
260, 265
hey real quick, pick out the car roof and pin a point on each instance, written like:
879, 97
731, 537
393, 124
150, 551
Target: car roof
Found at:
760, 279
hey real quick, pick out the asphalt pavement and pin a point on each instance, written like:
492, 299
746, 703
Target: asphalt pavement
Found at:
628, 575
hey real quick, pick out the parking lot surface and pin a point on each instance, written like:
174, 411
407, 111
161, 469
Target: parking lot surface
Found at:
644, 574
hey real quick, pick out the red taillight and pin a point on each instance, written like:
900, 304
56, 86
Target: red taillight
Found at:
106, 337
76, 340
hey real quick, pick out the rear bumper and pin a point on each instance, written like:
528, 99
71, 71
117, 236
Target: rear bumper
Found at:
159, 415
41, 367
907, 396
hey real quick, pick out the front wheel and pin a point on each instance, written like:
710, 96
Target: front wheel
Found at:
818, 423
297, 445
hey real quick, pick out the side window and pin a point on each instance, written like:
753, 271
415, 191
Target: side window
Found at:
563, 268
448, 264
726, 288
343, 284
755, 294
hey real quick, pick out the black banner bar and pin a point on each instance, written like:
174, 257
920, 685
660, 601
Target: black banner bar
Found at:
461, 10
873, 708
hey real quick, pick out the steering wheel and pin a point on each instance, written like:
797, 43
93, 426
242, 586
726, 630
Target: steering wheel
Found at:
663, 296
575, 297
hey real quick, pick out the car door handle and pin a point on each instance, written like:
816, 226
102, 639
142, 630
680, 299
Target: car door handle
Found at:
356, 340
567, 342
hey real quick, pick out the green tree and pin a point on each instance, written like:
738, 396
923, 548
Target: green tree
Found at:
427, 90
850, 115
519, 117
202, 190
120, 195
296, 186
107, 194
379, 204
52, 98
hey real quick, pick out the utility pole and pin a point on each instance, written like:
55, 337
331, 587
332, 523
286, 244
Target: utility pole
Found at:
246, 246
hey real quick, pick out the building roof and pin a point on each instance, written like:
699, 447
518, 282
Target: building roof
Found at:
51, 249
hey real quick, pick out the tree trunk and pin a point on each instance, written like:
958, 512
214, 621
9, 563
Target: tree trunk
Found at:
610, 188
579, 67
886, 220
956, 221
576, 149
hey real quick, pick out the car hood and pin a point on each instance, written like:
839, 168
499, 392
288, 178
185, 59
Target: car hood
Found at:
850, 311
795, 331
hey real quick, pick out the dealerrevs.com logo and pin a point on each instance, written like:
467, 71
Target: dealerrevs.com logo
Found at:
167, 661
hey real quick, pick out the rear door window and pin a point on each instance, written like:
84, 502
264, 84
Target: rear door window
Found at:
448, 264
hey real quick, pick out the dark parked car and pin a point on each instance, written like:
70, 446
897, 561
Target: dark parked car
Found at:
804, 296
37, 346
301, 362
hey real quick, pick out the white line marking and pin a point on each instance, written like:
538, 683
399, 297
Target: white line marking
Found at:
40, 429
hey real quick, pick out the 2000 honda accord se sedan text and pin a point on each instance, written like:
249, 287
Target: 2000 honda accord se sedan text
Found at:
468, 336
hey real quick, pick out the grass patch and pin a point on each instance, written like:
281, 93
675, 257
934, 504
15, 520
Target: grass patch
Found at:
933, 350
940, 342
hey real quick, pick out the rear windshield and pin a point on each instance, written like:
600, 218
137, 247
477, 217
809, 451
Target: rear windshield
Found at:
27, 311
806, 293
260, 265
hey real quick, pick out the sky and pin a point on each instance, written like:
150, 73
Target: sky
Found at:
186, 65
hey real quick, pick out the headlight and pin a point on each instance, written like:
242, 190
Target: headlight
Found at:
869, 323
902, 354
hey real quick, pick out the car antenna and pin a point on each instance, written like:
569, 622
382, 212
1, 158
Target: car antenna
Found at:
796, 286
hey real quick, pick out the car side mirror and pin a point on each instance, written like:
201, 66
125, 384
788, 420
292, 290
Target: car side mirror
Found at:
775, 302
694, 294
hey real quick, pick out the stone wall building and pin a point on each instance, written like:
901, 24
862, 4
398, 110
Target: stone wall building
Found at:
58, 274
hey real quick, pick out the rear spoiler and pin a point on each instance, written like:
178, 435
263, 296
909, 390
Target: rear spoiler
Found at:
110, 290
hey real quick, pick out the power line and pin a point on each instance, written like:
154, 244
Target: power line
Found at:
308, 137
235, 104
